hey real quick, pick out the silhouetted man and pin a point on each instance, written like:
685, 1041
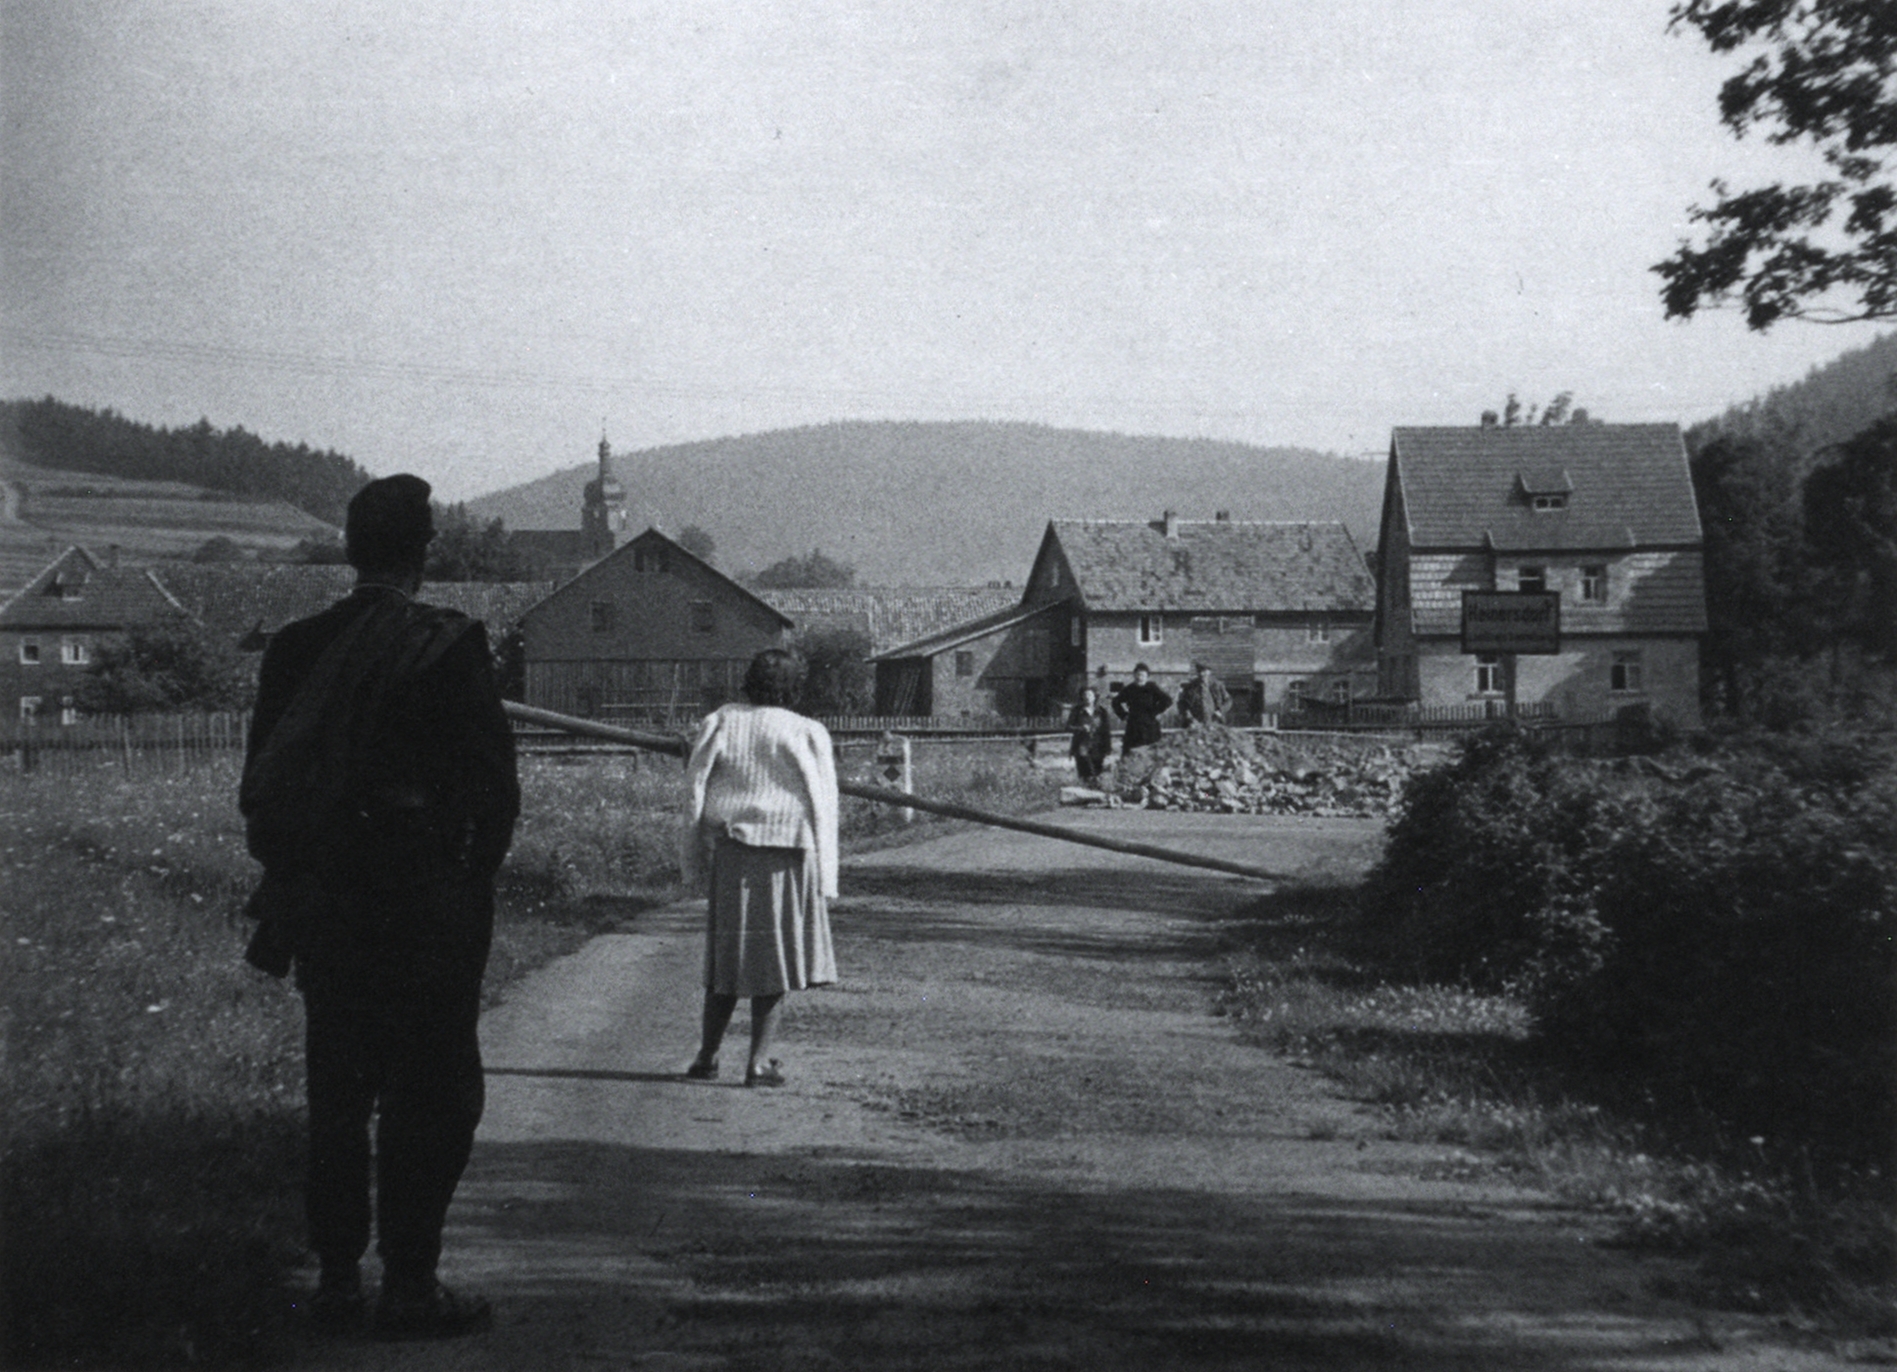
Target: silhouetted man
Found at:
380, 794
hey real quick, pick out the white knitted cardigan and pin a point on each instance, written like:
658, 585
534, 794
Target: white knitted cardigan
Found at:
764, 776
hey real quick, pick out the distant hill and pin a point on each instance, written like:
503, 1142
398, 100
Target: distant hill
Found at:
43, 512
52, 435
939, 504
1832, 403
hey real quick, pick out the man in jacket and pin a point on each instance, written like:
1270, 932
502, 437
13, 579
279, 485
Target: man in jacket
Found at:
1204, 699
389, 849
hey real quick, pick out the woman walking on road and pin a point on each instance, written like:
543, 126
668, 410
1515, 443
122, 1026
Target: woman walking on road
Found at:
762, 824
1092, 729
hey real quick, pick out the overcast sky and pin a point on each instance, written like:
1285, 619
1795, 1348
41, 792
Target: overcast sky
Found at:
455, 239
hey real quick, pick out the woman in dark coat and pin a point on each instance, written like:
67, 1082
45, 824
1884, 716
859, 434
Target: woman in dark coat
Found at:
1092, 728
1140, 705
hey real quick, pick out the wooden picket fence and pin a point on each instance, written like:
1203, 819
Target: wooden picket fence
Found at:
135, 744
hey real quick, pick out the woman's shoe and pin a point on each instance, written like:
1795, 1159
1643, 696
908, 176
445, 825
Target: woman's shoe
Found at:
770, 1074
702, 1069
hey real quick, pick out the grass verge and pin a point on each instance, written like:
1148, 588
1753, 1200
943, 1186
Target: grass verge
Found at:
1769, 1230
152, 1083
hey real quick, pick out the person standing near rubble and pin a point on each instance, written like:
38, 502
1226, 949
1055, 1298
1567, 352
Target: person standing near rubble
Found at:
1140, 705
1204, 699
1092, 730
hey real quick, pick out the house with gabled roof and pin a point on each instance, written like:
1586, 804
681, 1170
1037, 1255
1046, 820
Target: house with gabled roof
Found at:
646, 634
1278, 611
1602, 516
51, 628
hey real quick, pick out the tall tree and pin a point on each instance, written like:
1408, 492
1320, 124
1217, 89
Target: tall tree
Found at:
1756, 593
174, 665
814, 572
1851, 532
697, 542
466, 550
1827, 251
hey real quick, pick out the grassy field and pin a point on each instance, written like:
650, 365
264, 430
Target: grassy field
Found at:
151, 1082
1446, 1065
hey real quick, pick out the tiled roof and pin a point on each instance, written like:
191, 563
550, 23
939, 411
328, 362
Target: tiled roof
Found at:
241, 599
77, 591
1215, 566
891, 615
973, 629
1625, 485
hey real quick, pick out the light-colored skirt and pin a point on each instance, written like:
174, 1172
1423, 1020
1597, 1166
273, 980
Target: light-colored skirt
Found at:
768, 929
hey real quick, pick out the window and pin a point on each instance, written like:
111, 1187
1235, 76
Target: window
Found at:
1532, 579
704, 617
74, 652
1320, 632
68, 712
601, 616
964, 664
1549, 502
29, 652
648, 559
1294, 690
1152, 629
1594, 583
1624, 675
1073, 631
1488, 676
29, 709
1340, 691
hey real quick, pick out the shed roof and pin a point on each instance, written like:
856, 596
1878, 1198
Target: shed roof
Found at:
959, 634
1214, 566
890, 615
1613, 486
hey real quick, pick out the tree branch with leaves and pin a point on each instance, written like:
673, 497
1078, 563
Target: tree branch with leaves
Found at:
1826, 252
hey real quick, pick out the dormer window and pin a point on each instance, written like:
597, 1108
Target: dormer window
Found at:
1558, 501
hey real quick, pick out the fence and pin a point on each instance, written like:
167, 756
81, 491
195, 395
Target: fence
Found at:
133, 743
1316, 714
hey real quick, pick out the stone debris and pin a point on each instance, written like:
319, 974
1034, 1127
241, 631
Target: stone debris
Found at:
1216, 770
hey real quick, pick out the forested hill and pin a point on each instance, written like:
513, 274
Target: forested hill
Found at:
59, 437
943, 503
1831, 404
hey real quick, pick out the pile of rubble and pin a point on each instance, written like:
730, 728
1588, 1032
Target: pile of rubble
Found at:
1224, 771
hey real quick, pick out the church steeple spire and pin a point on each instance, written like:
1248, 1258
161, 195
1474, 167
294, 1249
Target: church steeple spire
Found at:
603, 515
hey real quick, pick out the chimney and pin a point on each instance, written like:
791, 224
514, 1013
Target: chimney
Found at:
1169, 523
1222, 516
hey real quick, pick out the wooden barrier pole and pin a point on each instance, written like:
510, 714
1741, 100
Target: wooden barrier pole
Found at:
677, 747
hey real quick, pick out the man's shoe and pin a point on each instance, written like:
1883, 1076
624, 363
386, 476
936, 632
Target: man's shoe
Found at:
435, 1314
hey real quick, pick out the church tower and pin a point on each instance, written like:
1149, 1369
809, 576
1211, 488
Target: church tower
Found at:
603, 515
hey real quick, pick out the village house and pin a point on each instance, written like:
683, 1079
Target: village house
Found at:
51, 629
1280, 612
1601, 516
648, 633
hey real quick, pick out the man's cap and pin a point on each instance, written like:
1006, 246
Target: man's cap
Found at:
389, 523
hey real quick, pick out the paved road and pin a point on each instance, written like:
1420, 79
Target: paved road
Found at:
1015, 1137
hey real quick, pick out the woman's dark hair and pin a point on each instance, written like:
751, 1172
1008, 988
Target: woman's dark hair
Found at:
1142, 667
775, 677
